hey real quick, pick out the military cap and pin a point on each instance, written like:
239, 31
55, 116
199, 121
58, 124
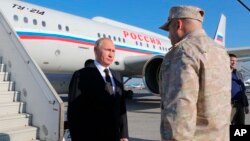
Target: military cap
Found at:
183, 11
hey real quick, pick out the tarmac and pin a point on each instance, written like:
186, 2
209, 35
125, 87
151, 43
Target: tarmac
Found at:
144, 116
247, 118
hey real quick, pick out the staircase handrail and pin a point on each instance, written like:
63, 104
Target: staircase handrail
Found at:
40, 98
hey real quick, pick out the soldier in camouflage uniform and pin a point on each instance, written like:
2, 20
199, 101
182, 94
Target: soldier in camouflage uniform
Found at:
195, 81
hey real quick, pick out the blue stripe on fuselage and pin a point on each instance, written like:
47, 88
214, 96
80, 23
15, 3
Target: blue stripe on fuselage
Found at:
34, 35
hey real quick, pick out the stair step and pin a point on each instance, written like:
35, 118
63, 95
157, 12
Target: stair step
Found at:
8, 92
14, 124
6, 86
2, 67
9, 97
13, 121
4, 76
11, 108
27, 133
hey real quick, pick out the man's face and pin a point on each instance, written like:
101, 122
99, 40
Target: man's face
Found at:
105, 53
233, 62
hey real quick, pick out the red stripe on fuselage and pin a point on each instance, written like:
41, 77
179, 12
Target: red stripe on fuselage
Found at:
73, 41
54, 38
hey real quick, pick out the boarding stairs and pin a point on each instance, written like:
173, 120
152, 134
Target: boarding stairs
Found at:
30, 108
14, 122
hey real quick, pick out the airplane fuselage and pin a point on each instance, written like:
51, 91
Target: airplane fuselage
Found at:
61, 43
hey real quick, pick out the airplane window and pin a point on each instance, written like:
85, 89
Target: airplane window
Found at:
34, 21
109, 37
15, 18
153, 46
25, 19
98, 35
147, 45
43, 23
124, 40
119, 39
59, 27
114, 38
67, 28
104, 35
136, 43
140, 43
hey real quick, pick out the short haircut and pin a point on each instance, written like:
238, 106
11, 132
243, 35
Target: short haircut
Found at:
232, 55
99, 42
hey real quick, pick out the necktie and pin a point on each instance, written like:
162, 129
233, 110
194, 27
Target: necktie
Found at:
108, 81
107, 76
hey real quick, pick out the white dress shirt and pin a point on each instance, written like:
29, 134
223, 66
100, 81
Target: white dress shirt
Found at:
101, 70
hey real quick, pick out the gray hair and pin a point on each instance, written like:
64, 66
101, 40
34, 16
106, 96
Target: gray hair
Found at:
99, 42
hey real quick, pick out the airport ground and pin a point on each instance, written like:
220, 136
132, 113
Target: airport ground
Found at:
247, 120
144, 116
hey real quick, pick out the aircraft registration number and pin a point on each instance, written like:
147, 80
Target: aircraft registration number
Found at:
32, 10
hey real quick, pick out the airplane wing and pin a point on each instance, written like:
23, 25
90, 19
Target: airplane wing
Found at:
240, 52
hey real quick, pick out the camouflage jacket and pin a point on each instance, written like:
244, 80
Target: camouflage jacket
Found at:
195, 87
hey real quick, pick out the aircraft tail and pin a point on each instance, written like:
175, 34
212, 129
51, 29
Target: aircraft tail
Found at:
220, 36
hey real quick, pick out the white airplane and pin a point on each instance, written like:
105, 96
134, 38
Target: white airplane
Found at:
61, 43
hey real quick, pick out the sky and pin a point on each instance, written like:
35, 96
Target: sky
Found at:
150, 14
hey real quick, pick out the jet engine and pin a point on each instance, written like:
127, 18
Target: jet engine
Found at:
151, 72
